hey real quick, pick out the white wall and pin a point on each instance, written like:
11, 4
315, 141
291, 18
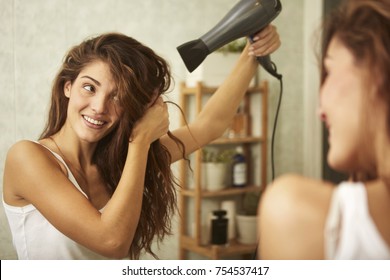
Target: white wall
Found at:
312, 129
35, 34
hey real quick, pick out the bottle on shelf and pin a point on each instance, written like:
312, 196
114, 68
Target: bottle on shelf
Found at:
239, 168
219, 228
230, 207
240, 123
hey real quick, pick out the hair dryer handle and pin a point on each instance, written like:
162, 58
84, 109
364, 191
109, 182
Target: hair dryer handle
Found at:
267, 63
269, 66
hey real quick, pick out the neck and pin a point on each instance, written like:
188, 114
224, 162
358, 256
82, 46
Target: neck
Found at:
77, 152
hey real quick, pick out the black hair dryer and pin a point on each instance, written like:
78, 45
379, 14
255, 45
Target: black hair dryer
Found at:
246, 18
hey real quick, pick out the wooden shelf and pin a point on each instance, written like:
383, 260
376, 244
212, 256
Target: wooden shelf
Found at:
242, 140
217, 251
192, 101
210, 90
193, 90
225, 192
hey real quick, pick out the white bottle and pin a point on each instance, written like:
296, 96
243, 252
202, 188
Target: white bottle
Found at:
239, 168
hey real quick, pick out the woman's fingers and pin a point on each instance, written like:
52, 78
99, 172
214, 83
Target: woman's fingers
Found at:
265, 42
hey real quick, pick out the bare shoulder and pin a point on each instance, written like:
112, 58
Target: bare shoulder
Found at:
25, 163
27, 153
293, 212
300, 187
21, 147
299, 180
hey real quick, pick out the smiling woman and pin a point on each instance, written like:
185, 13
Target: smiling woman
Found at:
98, 104
98, 183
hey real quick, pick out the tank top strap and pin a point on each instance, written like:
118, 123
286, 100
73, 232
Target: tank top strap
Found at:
70, 174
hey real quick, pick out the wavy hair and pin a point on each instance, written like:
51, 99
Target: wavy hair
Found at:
139, 74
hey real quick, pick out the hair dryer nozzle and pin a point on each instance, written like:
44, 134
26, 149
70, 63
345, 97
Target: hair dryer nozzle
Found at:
193, 53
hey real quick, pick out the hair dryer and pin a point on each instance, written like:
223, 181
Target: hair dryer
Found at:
246, 18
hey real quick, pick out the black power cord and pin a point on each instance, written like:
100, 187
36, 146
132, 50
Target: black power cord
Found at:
274, 129
271, 68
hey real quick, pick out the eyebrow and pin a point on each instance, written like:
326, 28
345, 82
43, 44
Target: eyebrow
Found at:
95, 81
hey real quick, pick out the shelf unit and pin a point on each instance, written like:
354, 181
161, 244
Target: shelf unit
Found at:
194, 244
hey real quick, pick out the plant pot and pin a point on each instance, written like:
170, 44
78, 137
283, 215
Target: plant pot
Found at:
214, 175
247, 229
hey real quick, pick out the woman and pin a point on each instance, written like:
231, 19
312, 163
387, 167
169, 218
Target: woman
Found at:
98, 182
315, 219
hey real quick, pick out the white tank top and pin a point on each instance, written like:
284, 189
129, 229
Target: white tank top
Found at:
34, 238
350, 232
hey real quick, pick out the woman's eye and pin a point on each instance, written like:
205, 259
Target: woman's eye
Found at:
89, 88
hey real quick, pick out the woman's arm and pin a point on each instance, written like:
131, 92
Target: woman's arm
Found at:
33, 175
222, 106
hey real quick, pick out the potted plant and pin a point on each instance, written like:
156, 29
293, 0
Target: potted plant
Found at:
247, 219
214, 166
236, 46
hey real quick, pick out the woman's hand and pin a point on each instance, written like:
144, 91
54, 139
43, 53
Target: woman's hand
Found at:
265, 42
153, 125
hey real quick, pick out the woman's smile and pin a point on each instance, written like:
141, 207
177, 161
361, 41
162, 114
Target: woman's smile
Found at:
94, 123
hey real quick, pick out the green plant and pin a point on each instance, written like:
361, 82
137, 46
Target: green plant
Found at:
235, 46
224, 156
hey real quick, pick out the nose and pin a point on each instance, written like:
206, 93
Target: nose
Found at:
99, 104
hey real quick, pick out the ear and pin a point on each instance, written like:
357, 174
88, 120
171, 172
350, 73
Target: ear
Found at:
67, 88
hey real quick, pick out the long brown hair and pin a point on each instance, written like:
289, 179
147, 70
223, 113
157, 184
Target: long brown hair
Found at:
363, 27
140, 74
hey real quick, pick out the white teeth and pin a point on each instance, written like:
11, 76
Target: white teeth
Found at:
95, 122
